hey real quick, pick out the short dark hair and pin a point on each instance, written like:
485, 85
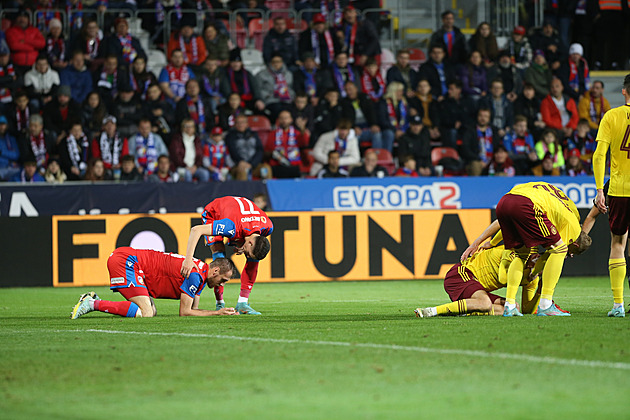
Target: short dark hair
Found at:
598, 81
344, 123
261, 248
484, 109
225, 265
163, 156
626, 83
446, 13
129, 158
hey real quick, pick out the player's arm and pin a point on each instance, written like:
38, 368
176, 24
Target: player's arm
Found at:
599, 160
589, 221
489, 232
188, 307
223, 227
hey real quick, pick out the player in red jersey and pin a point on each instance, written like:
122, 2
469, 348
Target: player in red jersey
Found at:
246, 226
141, 275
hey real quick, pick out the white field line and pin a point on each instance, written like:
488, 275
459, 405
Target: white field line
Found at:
456, 352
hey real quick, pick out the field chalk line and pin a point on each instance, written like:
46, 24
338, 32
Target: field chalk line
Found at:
457, 352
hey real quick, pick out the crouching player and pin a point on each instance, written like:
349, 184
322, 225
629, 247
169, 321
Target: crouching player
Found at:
142, 275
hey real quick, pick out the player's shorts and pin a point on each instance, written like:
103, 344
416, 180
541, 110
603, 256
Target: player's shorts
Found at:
125, 273
618, 214
460, 283
524, 224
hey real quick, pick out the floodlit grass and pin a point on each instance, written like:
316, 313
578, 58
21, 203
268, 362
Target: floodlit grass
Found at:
319, 351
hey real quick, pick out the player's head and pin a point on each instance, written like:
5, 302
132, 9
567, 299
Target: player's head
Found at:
256, 247
220, 271
581, 244
626, 86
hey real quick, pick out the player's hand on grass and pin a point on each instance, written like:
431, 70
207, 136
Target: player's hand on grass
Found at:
187, 266
227, 311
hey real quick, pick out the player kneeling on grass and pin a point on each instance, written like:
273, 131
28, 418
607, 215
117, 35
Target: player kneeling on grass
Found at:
141, 275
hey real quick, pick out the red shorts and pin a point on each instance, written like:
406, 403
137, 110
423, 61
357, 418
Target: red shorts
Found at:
618, 214
459, 288
125, 273
523, 224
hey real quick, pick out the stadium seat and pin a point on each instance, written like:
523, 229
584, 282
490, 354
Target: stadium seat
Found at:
156, 60
240, 34
385, 159
387, 60
416, 57
260, 125
257, 32
252, 60
449, 159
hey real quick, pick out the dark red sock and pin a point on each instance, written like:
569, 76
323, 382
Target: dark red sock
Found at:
248, 278
218, 292
125, 308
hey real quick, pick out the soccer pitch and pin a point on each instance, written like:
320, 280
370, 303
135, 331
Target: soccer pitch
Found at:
338, 350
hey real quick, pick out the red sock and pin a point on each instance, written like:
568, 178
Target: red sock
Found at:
248, 278
218, 292
125, 308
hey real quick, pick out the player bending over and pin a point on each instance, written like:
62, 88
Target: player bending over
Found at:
246, 226
141, 275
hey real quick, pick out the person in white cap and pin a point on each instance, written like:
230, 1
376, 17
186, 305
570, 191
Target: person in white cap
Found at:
574, 73
109, 145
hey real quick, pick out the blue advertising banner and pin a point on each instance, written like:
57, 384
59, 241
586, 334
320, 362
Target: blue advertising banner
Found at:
412, 193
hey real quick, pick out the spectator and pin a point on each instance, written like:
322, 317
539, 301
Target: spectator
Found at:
158, 111
361, 111
139, 78
407, 167
329, 111
500, 165
29, 174
370, 167
163, 172
191, 45
246, 151
260, 200
19, 113
341, 72
519, 143
25, 42
372, 83
285, 145
593, 105
127, 110
437, 73
332, 168
8, 77
394, 114
451, 39
610, 50
343, 140
479, 143
77, 76
230, 110
110, 146
303, 113
122, 44
275, 83
575, 166
574, 73
9, 151
484, 41
584, 25
473, 77
528, 106
456, 114
174, 76
331, 9
584, 142
548, 40
243, 82
319, 42
56, 46
128, 170
41, 82
96, 171
539, 75
359, 38
279, 41
74, 152
402, 72
195, 107
61, 112
546, 167
509, 74
308, 78
186, 153
213, 83
558, 110
501, 107
424, 105
550, 144
54, 174
519, 49
416, 142
37, 145
90, 42
217, 44
216, 156
108, 79
146, 147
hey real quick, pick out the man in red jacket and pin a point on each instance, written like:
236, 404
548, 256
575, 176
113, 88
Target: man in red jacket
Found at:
25, 42
558, 110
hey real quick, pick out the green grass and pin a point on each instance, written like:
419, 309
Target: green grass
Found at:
53, 367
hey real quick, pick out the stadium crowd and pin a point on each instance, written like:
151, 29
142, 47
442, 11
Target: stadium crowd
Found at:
78, 103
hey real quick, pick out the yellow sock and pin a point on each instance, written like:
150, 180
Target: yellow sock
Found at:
514, 276
453, 308
617, 269
553, 269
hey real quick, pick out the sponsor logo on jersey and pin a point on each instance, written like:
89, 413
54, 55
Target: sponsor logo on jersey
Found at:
140, 280
553, 230
129, 263
117, 280
263, 219
193, 289
251, 219
220, 228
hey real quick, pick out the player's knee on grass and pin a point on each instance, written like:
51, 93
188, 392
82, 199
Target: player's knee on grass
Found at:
480, 301
147, 309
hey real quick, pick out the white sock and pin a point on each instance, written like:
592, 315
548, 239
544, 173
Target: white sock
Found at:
242, 299
221, 301
617, 305
544, 304
91, 303
433, 311
510, 305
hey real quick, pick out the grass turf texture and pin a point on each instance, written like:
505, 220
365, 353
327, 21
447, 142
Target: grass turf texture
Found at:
53, 367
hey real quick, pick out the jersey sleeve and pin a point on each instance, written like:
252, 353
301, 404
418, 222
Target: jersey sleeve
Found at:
604, 132
193, 285
223, 227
